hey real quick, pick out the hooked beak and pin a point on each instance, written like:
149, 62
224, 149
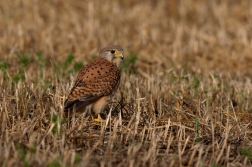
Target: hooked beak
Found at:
119, 54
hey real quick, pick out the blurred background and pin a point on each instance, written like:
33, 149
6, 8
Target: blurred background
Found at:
195, 35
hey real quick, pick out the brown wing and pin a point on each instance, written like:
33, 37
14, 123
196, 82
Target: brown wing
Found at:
98, 78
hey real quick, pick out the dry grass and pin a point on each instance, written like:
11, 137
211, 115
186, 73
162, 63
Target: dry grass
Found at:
185, 101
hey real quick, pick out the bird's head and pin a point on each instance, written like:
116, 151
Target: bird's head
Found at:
113, 53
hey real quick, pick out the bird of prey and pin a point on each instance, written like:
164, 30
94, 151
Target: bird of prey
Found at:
96, 83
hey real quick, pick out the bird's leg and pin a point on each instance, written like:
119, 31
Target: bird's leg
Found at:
98, 108
98, 119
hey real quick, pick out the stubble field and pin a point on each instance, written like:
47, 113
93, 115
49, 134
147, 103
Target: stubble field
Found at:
185, 94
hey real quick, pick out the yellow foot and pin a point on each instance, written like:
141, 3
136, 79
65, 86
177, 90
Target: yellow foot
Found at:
98, 119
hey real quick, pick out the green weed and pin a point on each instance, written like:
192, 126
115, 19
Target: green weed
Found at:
55, 163
196, 82
41, 62
3, 68
77, 159
78, 66
24, 59
247, 152
16, 78
196, 128
68, 61
22, 154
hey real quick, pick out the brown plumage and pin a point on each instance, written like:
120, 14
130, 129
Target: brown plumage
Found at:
96, 83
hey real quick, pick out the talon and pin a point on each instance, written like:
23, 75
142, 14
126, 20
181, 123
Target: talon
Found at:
98, 119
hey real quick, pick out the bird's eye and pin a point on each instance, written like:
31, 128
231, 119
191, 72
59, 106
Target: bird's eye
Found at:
112, 51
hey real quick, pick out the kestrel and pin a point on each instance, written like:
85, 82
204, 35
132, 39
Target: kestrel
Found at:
96, 83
